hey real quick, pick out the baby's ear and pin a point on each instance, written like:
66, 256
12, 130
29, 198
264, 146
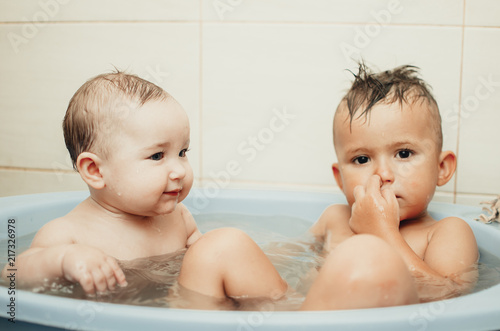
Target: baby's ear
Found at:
88, 166
337, 175
447, 166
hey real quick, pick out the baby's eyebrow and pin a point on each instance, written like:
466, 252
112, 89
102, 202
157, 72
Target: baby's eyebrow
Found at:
402, 143
157, 145
166, 144
356, 150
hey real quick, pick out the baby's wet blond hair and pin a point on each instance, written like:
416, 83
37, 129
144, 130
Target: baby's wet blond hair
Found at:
98, 105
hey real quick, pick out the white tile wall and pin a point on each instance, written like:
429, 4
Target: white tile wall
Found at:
16, 182
307, 78
483, 13
479, 133
442, 12
39, 79
476, 200
236, 65
242, 98
98, 10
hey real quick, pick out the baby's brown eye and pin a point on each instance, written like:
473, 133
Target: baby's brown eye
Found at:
183, 152
361, 159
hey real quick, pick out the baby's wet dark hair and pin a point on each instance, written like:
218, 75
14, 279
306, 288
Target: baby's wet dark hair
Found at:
401, 84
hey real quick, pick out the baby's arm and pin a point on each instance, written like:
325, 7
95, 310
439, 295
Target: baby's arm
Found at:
452, 252
53, 255
332, 226
193, 234
448, 267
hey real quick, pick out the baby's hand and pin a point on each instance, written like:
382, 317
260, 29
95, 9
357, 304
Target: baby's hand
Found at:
94, 270
374, 211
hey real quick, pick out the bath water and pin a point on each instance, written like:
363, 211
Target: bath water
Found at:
152, 280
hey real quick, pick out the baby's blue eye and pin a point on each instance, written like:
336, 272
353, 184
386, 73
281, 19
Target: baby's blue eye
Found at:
157, 156
183, 152
405, 153
361, 159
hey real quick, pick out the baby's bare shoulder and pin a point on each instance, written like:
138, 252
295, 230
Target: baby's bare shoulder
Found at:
452, 226
452, 248
338, 211
333, 216
65, 229
56, 232
431, 230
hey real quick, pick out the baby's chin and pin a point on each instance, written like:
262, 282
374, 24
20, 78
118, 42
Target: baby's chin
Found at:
405, 215
162, 212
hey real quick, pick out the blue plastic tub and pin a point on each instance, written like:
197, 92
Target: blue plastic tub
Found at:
477, 311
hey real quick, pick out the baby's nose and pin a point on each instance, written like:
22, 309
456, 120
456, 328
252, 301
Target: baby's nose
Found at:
178, 171
385, 172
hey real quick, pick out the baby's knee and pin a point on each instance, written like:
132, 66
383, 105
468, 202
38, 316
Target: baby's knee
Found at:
367, 249
368, 261
227, 234
370, 253
218, 243
225, 238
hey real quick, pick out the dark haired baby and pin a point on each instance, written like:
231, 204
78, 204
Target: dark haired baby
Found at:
388, 140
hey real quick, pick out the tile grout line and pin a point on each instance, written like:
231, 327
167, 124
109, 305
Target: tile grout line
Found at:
200, 94
455, 184
277, 22
46, 170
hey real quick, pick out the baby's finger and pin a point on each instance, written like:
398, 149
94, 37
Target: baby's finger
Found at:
117, 271
374, 184
100, 282
109, 276
389, 196
87, 283
359, 193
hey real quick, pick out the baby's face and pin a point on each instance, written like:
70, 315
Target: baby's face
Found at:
147, 171
397, 144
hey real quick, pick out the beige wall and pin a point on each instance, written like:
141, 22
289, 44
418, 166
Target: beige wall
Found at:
259, 79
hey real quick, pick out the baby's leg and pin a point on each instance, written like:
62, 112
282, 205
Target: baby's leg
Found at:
227, 262
362, 272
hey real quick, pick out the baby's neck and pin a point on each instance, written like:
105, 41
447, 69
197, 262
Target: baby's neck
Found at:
420, 218
106, 211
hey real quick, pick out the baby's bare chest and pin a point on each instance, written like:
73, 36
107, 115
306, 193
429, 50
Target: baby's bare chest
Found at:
416, 236
126, 242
